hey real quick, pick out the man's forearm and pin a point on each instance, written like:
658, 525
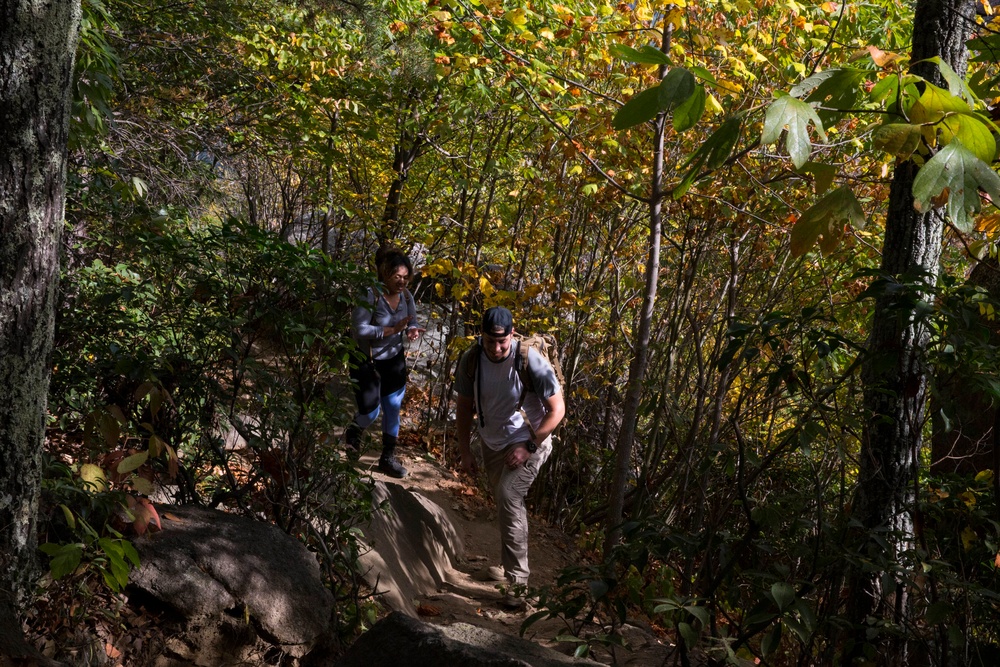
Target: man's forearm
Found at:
463, 425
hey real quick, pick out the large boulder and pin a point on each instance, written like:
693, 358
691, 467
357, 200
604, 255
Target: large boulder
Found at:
399, 640
235, 581
414, 547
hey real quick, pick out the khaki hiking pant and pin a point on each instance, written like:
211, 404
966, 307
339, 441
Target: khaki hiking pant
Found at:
509, 490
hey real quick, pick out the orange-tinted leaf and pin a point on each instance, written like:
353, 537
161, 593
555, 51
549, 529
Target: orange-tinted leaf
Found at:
424, 609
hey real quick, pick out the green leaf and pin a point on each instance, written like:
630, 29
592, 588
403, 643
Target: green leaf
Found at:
589, 188
700, 613
65, 558
783, 594
582, 651
827, 217
771, 640
834, 91
130, 463
645, 55
642, 107
950, 117
956, 84
974, 135
886, 89
598, 588
939, 612
130, 553
788, 113
799, 629
711, 154
987, 45
68, 514
823, 175
957, 174
143, 486
677, 86
688, 113
688, 633
899, 139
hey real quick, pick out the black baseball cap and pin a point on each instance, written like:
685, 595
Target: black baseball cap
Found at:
497, 321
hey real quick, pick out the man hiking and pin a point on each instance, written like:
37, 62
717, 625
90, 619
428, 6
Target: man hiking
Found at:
515, 396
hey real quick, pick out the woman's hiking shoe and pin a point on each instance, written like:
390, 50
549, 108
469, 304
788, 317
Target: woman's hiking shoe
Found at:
391, 467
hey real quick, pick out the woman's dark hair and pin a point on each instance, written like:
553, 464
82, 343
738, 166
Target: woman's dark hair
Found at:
390, 258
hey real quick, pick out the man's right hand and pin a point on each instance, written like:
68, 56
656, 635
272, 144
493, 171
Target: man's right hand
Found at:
469, 464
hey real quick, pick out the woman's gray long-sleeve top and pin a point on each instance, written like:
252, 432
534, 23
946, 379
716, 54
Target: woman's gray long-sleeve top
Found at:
368, 328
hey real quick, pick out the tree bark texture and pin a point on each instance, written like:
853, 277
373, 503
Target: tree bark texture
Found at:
37, 47
895, 374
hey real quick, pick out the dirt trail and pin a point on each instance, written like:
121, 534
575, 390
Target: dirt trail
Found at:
476, 602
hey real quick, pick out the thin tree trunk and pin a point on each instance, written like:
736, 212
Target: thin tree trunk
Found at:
37, 47
637, 367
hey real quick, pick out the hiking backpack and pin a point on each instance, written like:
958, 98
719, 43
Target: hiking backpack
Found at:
543, 343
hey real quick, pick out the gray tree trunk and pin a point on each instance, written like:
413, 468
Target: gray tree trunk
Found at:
37, 47
640, 346
895, 374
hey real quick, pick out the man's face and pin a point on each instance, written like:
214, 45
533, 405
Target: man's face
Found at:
497, 347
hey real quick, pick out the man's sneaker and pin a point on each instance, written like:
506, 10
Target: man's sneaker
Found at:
512, 602
391, 467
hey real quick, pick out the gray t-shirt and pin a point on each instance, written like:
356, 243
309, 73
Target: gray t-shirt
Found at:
501, 423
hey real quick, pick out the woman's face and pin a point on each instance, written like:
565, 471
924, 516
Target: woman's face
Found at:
397, 279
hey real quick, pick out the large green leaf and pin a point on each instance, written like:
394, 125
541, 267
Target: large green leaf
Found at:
826, 218
950, 117
677, 86
957, 174
642, 107
834, 91
986, 46
956, 84
823, 175
711, 154
645, 55
688, 113
899, 139
788, 113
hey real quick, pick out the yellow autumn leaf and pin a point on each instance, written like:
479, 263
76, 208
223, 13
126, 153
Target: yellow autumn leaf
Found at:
755, 55
830, 7
439, 267
969, 498
547, 34
676, 17
969, 538
984, 477
485, 286
516, 17
988, 223
712, 105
